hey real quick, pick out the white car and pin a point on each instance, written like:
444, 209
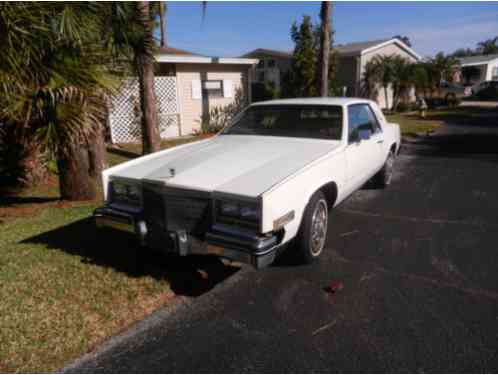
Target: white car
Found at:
269, 178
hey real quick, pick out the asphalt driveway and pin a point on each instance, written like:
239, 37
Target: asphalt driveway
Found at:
418, 264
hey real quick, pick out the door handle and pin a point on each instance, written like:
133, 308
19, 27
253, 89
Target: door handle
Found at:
381, 141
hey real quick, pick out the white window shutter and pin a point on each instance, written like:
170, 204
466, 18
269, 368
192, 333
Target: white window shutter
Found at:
196, 89
227, 88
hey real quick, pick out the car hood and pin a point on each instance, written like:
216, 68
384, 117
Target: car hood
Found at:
235, 164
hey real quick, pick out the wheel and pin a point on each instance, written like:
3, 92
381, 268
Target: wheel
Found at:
450, 99
313, 232
383, 178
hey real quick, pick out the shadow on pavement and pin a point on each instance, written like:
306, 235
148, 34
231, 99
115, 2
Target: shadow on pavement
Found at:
465, 145
187, 276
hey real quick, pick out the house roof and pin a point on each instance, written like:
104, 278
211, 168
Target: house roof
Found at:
477, 60
177, 56
349, 49
176, 51
270, 52
358, 47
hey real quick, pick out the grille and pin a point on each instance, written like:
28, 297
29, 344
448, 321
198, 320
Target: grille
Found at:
188, 213
168, 209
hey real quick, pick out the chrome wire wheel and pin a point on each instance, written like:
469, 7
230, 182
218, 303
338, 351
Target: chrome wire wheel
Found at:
318, 228
389, 168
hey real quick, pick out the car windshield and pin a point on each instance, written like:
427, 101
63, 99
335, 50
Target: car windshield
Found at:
301, 121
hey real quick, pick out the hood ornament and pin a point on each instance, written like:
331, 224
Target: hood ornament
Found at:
172, 172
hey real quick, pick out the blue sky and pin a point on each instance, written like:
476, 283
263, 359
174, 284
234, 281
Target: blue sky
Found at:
233, 28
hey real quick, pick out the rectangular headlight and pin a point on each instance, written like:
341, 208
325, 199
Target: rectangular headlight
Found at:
125, 193
238, 213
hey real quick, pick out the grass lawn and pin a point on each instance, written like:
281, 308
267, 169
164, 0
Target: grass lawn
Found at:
63, 290
412, 124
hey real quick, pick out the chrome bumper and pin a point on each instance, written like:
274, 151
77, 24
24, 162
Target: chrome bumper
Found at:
259, 251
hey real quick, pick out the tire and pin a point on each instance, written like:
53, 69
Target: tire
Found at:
383, 178
451, 99
312, 234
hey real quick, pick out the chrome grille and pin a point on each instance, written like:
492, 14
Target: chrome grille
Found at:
168, 209
187, 213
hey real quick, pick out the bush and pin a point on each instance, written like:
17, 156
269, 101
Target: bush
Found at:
263, 91
21, 162
219, 117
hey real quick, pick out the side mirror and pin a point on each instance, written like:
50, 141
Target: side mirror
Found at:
364, 134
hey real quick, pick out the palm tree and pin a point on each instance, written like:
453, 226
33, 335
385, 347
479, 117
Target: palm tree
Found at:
370, 81
130, 34
441, 68
402, 80
385, 66
324, 51
55, 82
162, 18
489, 46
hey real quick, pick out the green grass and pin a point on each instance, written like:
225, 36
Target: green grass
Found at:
412, 125
63, 290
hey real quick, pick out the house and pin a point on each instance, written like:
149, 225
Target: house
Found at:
271, 66
352, 59
476, 69
188, 86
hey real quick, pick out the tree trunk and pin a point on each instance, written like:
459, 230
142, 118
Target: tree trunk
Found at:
96, 156
75, 183
324, 54
162, 12
150, 133
386, 97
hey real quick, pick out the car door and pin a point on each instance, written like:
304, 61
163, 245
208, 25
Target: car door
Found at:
364, 149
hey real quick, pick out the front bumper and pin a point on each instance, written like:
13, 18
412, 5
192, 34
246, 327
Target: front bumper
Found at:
223, 241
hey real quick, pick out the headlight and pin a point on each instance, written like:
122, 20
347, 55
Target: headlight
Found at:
246, 214
124, 192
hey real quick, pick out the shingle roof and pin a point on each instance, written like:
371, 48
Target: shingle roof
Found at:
357, 47
343, 49
175, 51
265, 51
477, 59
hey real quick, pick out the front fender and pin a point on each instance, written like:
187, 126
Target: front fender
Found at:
295, 193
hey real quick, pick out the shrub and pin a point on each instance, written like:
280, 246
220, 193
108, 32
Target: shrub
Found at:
21, 163
219, 117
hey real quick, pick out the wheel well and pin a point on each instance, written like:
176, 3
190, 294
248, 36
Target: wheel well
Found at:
330, 191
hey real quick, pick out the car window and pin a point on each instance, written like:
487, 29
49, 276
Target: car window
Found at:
360, 116
302, 121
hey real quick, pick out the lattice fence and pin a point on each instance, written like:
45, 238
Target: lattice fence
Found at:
125, 114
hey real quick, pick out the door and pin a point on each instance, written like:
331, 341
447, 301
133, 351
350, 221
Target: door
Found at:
364, 150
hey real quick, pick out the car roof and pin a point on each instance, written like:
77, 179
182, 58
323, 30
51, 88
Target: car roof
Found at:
314, 101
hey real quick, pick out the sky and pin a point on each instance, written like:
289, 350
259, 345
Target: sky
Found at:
234, 28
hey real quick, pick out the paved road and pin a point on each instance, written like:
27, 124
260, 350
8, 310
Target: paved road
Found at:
419, 267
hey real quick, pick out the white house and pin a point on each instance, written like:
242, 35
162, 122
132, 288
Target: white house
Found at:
353, 58
351, 65
187, 86
481, 68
